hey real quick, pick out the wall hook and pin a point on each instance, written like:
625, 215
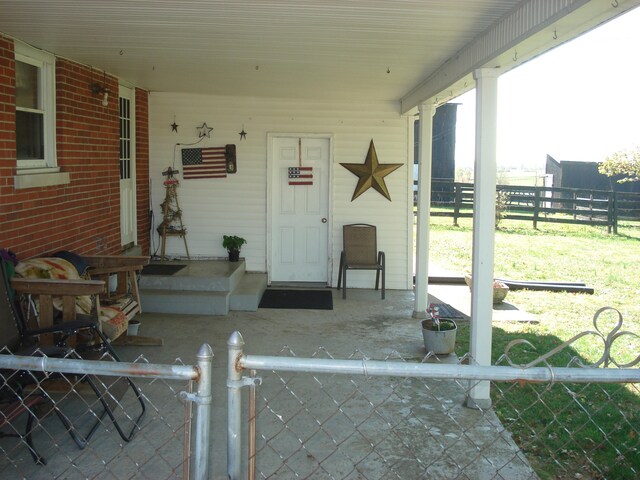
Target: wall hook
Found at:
555, 34
515, 56
615, 4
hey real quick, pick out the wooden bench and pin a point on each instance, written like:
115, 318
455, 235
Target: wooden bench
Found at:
125, 297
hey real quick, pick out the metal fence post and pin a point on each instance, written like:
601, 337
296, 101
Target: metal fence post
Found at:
234, 385
252, 430
203, 413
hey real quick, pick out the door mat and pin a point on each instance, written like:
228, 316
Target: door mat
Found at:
304, 299
447, 311
162, 269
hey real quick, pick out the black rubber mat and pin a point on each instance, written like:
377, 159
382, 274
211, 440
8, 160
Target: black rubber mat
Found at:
305, 299
162, 269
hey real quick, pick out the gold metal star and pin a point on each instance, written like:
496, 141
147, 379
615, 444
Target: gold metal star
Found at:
371, 173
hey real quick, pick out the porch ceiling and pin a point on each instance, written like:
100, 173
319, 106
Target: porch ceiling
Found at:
339, 49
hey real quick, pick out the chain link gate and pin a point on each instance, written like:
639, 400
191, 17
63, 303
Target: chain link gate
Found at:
56, 405
321, 417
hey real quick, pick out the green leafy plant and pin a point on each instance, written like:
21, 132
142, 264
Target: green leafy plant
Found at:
439, 325
501, 206
233, 243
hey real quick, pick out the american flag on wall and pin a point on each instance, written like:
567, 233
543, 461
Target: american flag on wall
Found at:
300, 175
204, 163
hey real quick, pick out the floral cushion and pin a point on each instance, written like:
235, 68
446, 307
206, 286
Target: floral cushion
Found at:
54, 268
113, 321
47, 268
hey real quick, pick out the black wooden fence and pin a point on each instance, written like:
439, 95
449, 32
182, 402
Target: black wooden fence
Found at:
541, 204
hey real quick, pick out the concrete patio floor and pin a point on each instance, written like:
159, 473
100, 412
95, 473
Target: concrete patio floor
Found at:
364, 322
437, 424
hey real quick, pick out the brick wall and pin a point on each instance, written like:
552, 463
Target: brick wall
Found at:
83, 215
142, 168
7, 124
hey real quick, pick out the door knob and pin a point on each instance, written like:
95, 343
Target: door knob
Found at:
324, 220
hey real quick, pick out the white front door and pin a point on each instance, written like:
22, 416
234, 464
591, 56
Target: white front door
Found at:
299, 204
127, 167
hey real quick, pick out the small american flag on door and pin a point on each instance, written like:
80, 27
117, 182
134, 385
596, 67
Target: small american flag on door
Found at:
300, 175
204, 163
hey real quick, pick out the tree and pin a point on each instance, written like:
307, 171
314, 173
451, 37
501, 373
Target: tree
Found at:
623, 162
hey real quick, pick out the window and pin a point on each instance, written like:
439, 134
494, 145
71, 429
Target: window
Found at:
35, 108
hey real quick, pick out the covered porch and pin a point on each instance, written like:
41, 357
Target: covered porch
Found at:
335, 74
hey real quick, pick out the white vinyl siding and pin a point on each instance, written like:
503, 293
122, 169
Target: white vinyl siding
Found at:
237, 205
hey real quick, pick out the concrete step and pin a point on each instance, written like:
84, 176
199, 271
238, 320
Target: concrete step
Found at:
209, 287
246, 296
185, 302
201, 276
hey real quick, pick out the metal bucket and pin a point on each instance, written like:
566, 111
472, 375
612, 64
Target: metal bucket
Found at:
440, 342
132, 328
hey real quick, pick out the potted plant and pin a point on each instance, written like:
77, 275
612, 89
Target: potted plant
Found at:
233, 244
439, 335
500, 289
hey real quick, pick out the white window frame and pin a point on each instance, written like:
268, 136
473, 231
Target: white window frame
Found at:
46, 63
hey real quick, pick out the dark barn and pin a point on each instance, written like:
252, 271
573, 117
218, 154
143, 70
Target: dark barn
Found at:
443, 150
576, 174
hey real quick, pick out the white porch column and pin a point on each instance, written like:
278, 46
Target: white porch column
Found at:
483, 227
424, 209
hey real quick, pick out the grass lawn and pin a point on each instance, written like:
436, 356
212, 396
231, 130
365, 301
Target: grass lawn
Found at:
569, 253
565, 430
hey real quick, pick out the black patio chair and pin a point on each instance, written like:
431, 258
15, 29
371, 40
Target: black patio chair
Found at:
20, 391
360, 252
109, 391
14, 403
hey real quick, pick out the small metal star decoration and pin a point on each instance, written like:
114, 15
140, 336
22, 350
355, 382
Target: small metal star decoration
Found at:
371, 173
243, 134
174, 127
204, 131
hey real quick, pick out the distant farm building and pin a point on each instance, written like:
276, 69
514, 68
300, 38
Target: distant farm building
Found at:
443, 150
585, 175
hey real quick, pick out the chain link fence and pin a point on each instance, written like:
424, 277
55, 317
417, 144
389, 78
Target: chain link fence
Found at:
70, 418
357, 418
320, 417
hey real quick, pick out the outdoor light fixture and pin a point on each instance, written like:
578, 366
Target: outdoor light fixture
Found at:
98, 89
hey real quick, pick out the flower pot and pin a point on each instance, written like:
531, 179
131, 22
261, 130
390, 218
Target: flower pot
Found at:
500, 289
132, 328
234, 255
440, 342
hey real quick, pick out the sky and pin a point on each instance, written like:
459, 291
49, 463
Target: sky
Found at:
579, 101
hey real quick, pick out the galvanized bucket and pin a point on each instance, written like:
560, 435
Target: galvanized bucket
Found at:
440, 342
